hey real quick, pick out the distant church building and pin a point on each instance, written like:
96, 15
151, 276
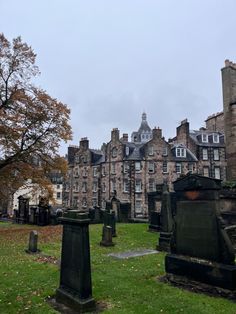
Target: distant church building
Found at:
144, 133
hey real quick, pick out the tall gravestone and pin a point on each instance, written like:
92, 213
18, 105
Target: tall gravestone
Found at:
166, 221
75, 288
200, 247
154, 208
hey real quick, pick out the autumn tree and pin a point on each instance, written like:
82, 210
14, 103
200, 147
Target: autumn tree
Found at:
32, 123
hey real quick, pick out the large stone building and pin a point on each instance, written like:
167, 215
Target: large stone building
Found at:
229, 103
131, 169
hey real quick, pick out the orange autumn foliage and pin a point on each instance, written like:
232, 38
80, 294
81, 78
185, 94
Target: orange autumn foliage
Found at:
32, 123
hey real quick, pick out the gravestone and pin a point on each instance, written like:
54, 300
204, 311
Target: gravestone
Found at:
109, 219
23, 211
33, 243
75, 290
106, 236
166, 221
154, 208
200, 247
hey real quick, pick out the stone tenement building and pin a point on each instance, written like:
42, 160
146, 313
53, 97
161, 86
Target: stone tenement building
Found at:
229, 102
133, 168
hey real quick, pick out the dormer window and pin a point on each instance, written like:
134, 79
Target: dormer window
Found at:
127, 151
180, 152
215, 138
204, 138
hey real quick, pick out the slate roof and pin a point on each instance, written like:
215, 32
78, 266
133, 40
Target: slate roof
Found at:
197, 138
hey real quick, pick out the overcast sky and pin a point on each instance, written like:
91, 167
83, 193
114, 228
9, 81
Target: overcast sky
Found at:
110, 60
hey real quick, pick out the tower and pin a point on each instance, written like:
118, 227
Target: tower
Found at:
229, 102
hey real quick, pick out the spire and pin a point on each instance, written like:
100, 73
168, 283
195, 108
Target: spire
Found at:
144, 117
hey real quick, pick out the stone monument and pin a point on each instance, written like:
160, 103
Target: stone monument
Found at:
75, 290
200, 247
166, 221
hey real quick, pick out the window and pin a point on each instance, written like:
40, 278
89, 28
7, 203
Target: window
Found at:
58, 186
103, 171
215, 138
127, 151
164, 167
204, 138
95, 186
164, 151
138, 206
76, 186
85, 172
137, 166
151, 167
190, 167
58, 195
94, 202
76, 172
114, 152
150, 150
216, 154
204, 154
84, 187
126, 167
138, 186
84, 202
103, 187
113, 186
113, 168
94, 171
217, 172
206, 171
126, 186
75, 201
151, 185
180, 152
103, 203
178, 167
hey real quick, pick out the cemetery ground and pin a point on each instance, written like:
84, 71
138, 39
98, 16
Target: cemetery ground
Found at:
119, 285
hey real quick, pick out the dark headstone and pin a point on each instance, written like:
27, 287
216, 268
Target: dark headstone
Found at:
200, 247
110, 220
166, 221
22, 216
106, 236
154, 208
33, 243
75, 288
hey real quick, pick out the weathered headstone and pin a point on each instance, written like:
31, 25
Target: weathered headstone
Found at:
166, 221
154, 208
75, 288
110, 220
33, 243
200, 247
106, 236
23, 212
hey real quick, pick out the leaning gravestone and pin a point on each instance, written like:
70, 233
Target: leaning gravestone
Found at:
109, 219
200, 247
33, 243
75, 290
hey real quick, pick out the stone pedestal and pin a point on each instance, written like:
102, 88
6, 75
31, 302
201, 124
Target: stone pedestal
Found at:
75, 288
215, 274
164, 241
33, 243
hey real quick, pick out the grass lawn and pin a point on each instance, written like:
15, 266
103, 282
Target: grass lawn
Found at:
126, 286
